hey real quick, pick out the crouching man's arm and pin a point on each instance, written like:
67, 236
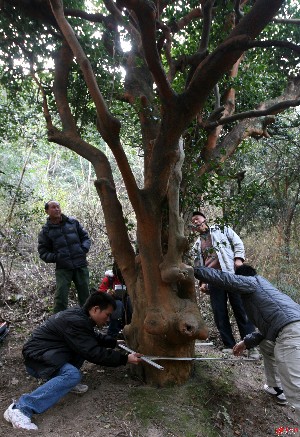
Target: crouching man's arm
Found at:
250, 341
229, 281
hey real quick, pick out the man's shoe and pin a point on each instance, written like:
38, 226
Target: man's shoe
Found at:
253, 354
18, 419
277, 393
79, 389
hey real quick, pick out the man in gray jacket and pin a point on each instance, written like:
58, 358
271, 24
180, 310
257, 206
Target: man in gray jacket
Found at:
222, 249
63, 241
277, 317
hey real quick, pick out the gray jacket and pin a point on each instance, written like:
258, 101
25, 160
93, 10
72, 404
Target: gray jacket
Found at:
227, 244
65, 244
268, 308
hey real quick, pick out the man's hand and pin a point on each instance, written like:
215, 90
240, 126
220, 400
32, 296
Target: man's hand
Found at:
239, 348
134, 358
204, 288
238, 262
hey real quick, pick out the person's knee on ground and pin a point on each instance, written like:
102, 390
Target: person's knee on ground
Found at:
72, 375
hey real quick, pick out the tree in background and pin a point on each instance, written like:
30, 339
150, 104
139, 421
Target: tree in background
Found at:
182, 61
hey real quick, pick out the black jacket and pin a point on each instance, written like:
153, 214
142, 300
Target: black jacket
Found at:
69, 337
268, 308
65, 244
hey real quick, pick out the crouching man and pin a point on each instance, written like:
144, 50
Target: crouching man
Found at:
57, 349
277, 317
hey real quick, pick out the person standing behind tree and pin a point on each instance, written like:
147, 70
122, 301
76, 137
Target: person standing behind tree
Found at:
113, 284
63, 241
222, 250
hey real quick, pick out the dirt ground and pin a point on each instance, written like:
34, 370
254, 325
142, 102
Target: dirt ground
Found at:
223, 398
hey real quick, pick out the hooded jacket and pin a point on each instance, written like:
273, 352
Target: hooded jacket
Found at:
109, 281
268, 308
69, 337
227, 245
65, 244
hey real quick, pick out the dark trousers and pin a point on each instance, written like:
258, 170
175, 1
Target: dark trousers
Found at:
64, 277
219, 303
120, 317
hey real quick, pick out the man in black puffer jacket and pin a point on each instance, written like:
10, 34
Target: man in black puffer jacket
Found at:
57, 349
63, 241
277, 317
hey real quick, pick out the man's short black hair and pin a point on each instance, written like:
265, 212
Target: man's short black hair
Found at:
47, 204
245, 270
99, 299
198, 213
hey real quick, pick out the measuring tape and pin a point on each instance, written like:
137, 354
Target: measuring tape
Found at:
146, 359
151, 359
200, 358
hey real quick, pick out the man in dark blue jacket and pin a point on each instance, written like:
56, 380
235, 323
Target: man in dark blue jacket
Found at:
57, 349
63, 241
277, 317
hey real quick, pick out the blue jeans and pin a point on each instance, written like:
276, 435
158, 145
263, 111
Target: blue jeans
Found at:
218, 299
48, 394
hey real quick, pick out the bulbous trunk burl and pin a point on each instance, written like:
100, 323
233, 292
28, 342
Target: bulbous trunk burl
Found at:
166, 321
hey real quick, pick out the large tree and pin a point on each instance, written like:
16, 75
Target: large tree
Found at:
181, 62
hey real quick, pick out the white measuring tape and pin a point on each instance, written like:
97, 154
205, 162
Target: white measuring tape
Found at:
151, 359
146, 359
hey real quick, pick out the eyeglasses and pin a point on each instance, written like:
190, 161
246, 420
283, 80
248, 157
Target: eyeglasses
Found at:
195, 225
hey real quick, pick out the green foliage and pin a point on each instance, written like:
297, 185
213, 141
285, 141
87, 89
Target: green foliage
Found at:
268, 188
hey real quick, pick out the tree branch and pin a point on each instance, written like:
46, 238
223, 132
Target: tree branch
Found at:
177, 244
272, 110
224, 57
95, 18
46, 112
183, 22
248, 127
147, 23
273, 43
201, 53
63, 62
109, 126
286, 20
